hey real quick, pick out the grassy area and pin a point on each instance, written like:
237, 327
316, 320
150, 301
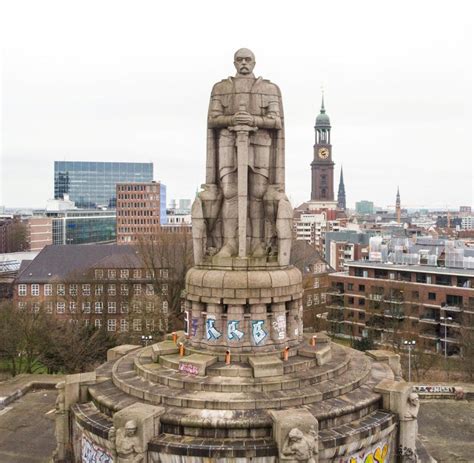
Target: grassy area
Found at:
37, 367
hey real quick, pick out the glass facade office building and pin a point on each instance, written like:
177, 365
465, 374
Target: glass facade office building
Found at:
92, 184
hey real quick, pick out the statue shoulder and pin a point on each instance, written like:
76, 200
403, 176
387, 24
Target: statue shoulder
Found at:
223, 87
268, 87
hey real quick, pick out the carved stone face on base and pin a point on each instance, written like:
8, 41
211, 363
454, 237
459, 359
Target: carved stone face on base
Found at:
244, 61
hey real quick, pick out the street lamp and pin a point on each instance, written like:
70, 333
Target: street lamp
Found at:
146, 338
410, 345
446, 319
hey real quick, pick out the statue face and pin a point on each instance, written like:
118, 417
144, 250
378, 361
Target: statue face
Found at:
130, 432
244, 61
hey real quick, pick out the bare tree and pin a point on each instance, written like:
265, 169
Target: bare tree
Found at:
167, 256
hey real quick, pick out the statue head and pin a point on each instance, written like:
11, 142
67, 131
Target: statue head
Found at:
413, 399
244, 61
130, 428
295, 435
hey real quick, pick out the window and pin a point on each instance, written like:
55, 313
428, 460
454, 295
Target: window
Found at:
165, 306
48, 307
35, 307
98, 307
124, 307
86, 290
60, 307
86, 307
99, 274
361, 316
35, 290
361, 287
309, 301
97, 323
124, 290
112, 274
99, 290
72, 307
350, 300
73, 290
137, 307
123, 325
137, 273
150, 307
112, 307
316, 299
323, 298
137, 289
137, 324
111, 290
149, 290
111, 324
22, 290
164, 273
361, 301
48, 290
149, 324
350, 286
316, 283
22, 305
60, 290
164, 289
432, 296
124, 273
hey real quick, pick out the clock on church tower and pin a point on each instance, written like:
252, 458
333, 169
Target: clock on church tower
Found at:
322, 167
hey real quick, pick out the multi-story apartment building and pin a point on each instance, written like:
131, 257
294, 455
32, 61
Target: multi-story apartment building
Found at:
390, 302
102, 285
141, 210
39, 232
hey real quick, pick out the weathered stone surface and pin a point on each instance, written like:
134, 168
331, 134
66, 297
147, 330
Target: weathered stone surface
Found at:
163, 348
268, 366
196, 364
119, 351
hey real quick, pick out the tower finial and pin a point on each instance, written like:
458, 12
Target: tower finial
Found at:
323, 110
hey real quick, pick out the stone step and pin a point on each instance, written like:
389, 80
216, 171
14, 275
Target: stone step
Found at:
238, 376
141, 388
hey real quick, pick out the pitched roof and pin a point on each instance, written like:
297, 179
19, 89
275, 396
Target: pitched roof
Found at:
59, 262
303, 256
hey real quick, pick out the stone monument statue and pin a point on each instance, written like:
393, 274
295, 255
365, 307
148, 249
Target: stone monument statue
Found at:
242, 210
126, 443
300, 447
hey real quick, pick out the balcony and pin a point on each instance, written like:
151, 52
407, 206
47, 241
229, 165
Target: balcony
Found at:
451, 308
394, 313
428, 319
375, 297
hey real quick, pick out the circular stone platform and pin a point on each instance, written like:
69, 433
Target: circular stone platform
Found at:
211, 411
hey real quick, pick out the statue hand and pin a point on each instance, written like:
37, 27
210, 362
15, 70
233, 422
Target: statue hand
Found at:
242, 118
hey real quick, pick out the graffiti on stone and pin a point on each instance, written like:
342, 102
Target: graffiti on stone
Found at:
186, 322
378, 453
212, 333
434, 389
258, 333
194, 326
233, 332
188, 368
279, 325
92, 453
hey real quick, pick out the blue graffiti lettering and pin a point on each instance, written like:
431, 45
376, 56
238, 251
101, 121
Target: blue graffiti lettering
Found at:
211, 331
258, 333
232, 330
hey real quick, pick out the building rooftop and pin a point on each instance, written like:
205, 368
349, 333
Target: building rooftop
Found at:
412, 268
59, 262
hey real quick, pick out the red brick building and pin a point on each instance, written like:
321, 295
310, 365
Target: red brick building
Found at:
102, 285
140, 210
394, 302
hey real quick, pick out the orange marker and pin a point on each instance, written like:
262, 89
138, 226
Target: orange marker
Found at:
285, 353
313, 340
227, 357
181, 349
175, 336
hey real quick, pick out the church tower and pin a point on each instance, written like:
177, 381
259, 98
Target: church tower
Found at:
341, 193
398, 206
322, 167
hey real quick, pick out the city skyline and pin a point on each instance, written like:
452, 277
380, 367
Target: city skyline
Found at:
140, 97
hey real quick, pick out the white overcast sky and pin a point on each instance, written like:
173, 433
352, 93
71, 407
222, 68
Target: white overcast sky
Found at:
130, 81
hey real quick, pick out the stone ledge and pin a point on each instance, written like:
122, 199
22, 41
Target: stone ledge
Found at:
196, 364
264, 367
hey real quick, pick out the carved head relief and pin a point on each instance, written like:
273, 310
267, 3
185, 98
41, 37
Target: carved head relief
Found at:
130, 428
244, 61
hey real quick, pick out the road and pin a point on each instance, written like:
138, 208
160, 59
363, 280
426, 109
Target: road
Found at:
26, 431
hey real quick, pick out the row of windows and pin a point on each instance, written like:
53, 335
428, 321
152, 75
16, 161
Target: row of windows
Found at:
144, 212
316, 298
155, 188
125, 273
112, 289
143, 195
97, 307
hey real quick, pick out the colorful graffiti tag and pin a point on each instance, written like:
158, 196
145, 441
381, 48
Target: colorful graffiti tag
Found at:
194, 326
279, 325
378, 453
233, 332
258, 333
92, 453
188, 368
212, 333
